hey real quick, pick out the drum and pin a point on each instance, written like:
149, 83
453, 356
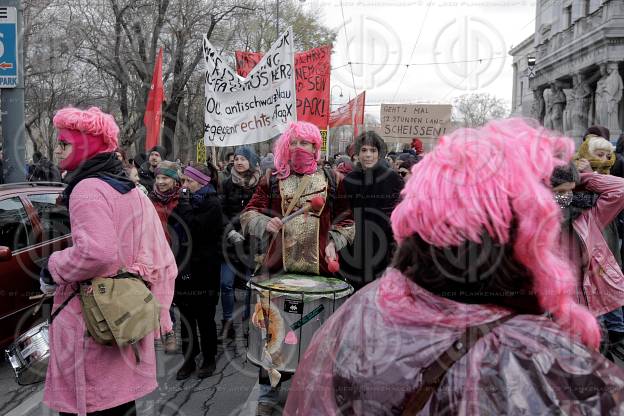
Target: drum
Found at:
29, 355
289, 309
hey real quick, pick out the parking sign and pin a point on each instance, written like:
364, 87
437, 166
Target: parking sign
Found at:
8, 47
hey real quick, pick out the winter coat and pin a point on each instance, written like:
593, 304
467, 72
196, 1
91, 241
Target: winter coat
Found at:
373, 194
146, 176
234, 199
110, 231
369, 356
199, 230
164, 212
44, 171
601, 282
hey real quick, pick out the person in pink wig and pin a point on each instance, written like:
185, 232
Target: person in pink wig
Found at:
114, 227
477, 313
307, 243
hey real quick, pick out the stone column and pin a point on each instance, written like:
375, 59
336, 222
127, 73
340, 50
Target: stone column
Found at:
582, 105
613, 96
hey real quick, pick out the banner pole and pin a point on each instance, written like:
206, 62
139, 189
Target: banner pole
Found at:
328, 147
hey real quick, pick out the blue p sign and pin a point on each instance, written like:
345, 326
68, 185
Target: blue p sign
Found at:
8, 47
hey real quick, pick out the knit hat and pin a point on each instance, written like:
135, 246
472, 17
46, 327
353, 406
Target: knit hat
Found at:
160, 149
459, 193
90, 132
170, 169
249, 154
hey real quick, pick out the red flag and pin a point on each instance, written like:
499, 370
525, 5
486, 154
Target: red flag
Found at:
153, 109
352, 113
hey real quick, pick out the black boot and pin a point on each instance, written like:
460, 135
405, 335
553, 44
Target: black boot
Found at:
207, 368
227, 331
186, 370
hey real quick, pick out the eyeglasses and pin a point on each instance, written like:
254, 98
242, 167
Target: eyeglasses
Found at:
403, 173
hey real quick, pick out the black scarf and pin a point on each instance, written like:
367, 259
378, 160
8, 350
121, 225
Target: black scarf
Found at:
103, 166
581, 201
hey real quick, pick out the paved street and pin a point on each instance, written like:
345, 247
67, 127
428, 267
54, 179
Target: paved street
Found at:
232, 390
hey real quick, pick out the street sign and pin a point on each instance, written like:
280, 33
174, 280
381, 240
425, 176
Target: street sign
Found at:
201, 152
324, 137
8, 47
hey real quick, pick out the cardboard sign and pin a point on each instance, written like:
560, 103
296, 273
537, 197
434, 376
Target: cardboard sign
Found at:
249, 110
407, 121
312, 69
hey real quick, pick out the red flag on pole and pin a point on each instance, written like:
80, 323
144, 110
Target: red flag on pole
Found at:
153, 109
352, 113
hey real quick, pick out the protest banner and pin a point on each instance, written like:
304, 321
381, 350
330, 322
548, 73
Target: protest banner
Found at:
249, 110
403, 122
312, 69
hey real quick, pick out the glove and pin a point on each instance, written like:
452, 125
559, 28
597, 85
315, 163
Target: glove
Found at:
235, 237
47, 289
45, 276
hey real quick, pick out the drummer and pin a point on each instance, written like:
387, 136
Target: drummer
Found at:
307, 242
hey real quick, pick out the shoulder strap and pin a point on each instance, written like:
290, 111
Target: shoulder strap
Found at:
300, 189
62, 305
433, 375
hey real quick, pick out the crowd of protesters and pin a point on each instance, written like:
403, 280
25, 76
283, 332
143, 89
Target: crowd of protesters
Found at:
404, 227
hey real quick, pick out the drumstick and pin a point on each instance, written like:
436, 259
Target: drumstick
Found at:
315, 204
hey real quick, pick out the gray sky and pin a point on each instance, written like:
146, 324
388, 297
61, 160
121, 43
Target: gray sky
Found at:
385, 32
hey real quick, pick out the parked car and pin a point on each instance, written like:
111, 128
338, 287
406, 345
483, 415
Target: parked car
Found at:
32, 226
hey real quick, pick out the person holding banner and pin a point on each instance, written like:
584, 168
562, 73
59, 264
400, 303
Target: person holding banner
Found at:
307, 243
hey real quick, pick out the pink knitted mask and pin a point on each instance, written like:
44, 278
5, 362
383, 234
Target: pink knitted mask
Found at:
302, 161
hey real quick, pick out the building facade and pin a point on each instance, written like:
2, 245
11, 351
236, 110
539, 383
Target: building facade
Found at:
573, 65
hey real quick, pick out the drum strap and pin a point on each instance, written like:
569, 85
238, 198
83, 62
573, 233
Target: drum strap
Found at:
62, 306
433, 375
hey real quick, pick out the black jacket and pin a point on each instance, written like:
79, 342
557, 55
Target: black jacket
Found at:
44, 171
199, 228
373, 194
234, 199
146, 176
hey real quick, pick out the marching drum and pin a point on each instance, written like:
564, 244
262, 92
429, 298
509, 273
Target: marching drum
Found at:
29, 355
289, 309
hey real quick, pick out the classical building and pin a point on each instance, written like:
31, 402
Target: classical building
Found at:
568, 74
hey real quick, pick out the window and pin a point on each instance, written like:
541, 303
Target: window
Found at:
586, 7
521, 90
54, 217
15, 226
567, 16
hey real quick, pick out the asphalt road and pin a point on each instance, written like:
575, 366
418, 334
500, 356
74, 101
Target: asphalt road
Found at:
232, 390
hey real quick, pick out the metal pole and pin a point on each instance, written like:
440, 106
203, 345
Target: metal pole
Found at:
277, 18
12, 108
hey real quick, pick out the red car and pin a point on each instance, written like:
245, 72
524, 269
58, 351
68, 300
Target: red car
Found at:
32, 226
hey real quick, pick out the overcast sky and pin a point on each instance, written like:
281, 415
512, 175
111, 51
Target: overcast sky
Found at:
385, 33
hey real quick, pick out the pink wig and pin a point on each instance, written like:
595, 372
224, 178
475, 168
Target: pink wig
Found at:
91, 122
299, 129
485, 179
